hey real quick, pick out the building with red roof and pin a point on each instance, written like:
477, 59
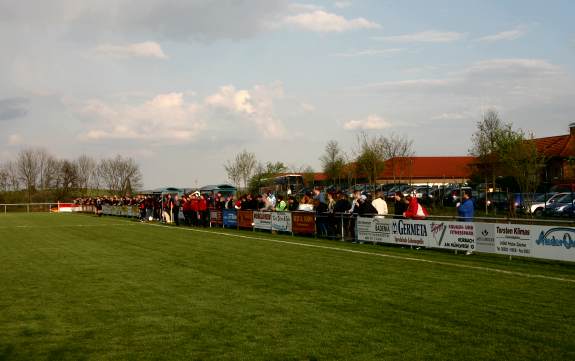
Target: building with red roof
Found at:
427, 170
559, 154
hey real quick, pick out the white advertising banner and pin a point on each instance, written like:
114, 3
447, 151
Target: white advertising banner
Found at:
485, 237
281, 221
452, 235
556, 243
514, 239
410, 232
263, 220
373, 230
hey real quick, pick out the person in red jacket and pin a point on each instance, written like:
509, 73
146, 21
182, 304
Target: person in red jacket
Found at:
414, 209
194, 204
203, 210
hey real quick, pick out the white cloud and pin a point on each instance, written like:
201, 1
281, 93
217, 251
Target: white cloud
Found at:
372, 122
324, 22
505, 35
171, 118
342, 4
255, 106
165, 117
430, 36
452, 116
15, 139
368, 52
147, 49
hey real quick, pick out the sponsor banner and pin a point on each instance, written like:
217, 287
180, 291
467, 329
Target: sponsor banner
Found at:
230, 218
485, 237
245, 219
410, 232
263, 220
216, 217
557, 243
514, 239
373, 230
281, 221
452, 235
303, 222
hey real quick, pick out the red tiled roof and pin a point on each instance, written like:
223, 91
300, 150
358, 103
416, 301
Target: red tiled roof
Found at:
556, 146
428, 167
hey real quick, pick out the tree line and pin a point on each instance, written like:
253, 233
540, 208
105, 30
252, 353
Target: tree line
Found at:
366, 160
35, 171
500, 150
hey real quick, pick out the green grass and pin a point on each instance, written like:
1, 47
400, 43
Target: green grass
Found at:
78, 287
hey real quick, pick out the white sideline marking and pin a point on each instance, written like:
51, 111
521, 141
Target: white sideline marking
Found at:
68, 226
413, 259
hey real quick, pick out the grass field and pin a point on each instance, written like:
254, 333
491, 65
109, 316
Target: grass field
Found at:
76, 287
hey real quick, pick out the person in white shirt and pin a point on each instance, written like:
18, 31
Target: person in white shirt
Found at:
380, 204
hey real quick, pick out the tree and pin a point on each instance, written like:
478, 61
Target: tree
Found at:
262, 172
241, 168
27, 165
120, 175
333, 161
370, 156
233, 171
67, 177
486, 143
86, 167
308, 175
521, 160
398, 149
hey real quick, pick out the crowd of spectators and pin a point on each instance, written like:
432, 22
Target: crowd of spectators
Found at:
327, 206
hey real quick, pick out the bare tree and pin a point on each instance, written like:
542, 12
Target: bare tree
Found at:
68, 176
233, 171
398, 149
12, 173
486, 143
86, 167
370, 156
241, 168
27, 165
48, 169
333, 161
4, 179
120, 175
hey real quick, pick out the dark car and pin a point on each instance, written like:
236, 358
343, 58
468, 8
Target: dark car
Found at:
498, 200
453, 195
556, 208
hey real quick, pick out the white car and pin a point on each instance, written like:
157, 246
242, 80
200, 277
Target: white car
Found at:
539, 205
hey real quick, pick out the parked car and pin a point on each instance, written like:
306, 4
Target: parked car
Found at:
564, 199
494, 201
453, 195
565, 211
397, 188
539, 202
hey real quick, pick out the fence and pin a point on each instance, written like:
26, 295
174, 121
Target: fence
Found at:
499, 236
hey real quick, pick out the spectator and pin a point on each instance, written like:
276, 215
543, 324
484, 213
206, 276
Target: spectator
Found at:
400, 205
380, 205
281, 205
414, 209
366, 208
176, 210
293, 204
466, 209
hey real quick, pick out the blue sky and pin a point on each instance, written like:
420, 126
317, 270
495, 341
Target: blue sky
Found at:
184, 85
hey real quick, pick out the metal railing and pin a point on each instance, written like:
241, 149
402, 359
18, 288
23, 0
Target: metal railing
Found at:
27, 207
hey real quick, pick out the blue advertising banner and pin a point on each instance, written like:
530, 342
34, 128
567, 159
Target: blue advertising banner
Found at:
230, 218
